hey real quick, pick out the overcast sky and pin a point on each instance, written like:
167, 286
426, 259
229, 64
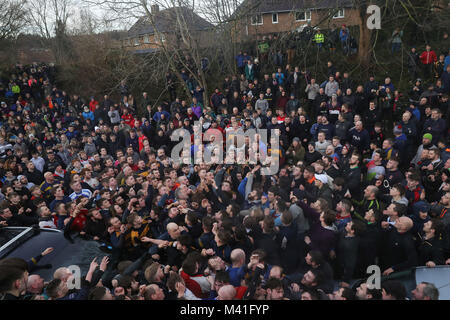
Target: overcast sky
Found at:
99, 12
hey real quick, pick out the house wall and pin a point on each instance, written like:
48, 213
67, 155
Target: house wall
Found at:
129, 44
287, 22
203, 37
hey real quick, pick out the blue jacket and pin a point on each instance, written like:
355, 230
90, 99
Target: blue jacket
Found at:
343, 35
445, 77
157, 115
199, 95
446, 62
88, 115
280, 77
400, 144
327, 128
236, 275
206, 241
415, 112
240, 60
360, 140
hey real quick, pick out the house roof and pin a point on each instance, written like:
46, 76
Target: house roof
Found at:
266, 6
165, 22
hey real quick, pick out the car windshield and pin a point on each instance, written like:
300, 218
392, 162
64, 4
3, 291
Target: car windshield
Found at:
7, 234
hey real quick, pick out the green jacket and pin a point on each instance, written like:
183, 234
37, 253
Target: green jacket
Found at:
250, 73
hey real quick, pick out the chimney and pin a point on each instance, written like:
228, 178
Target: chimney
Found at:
154, 8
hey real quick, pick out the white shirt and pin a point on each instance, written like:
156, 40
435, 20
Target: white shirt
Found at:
84, 192
39, 163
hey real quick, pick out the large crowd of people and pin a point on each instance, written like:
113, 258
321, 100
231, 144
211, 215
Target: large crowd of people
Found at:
364, 179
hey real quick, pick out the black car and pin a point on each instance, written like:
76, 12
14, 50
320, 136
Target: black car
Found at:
29, 242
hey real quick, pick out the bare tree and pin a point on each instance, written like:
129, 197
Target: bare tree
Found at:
49, 19
13, 18
189, 43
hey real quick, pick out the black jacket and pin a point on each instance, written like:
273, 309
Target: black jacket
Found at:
268, 243
347, 256
400, 252
430, 250
368, 248
353, 181
35, 177
96, 228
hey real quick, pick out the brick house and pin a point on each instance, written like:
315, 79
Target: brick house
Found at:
257, 18
142, 37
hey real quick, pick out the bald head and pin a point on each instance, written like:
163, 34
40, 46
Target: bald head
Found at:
276, 272
172, 226
62, 273
227, 292
173, 230
359, 125
404, 224
237, 257
35, 284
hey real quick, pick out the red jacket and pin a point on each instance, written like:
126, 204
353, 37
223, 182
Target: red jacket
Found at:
141, 142
92, 105
129, 120
428, 57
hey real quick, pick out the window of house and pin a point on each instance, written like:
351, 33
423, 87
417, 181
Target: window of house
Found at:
274, 17
136, 41
258, 19
303, 16
339, 14
146, 39
160, 38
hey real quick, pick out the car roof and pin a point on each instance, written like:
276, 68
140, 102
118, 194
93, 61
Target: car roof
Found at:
13, 237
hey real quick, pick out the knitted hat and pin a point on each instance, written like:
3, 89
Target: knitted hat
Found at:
421, 206
428, 136
398, 129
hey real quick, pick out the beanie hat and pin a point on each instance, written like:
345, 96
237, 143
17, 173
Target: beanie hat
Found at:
398, 129
428, 136
421, 206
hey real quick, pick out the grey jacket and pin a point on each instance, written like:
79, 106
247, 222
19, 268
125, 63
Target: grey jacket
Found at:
312, 90
90, 149
263, 105
302, 222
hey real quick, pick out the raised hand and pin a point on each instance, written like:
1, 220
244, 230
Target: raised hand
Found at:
93, 265
47, 251
104, 263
